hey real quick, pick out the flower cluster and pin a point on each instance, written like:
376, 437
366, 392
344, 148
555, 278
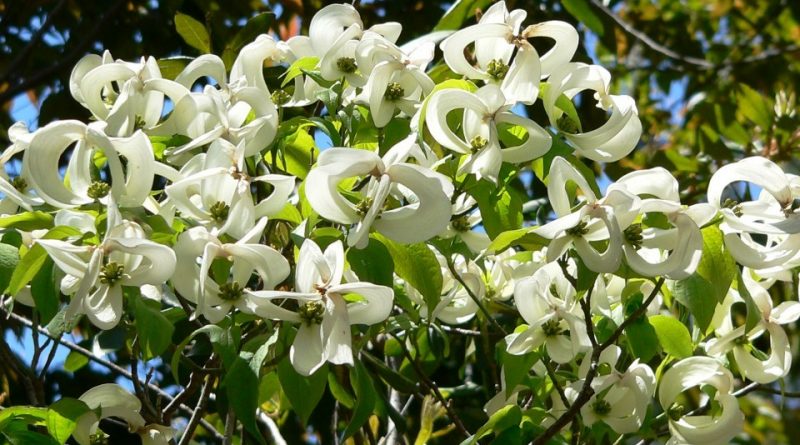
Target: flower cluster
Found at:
205, 192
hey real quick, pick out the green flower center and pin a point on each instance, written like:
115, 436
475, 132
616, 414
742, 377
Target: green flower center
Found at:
460, 224
231, 291
364, 205
346, 65
478, 143
99, 438
138, 122
552, 328
111, 273
567, 125
497, 69
219, 211
676, 411
633, 235
601, 407
733, 205
604, 369
311, 312
579, 230
20, 184
98, 189
394, 91
280, 97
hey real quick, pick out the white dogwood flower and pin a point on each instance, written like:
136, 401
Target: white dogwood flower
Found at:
483, 111
773, 214
672, 250
326, 307
406, 202
594, 220
716, 428
216, 276
547, 302
95, 275
114, 92
497, 39
130, 181
215, 191
111, 400
754, 364
613, 140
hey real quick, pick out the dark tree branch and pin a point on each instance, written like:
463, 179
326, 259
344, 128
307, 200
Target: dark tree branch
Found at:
684, 59
587, 392
431, 386
64, 61
111, 366
22, 56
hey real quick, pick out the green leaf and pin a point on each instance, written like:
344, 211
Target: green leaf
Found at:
170, 67
641, 335
460, 12
241, 388
298, 67
698, 295
262, 352
304, 393
582, 11
296, 152
27, 268
753, 312
516, 367
30, 414
258, 24
394, 379
716, 265
27, 221
501, 209
754, 106
503, 419
62, 418
373, 263
35, 258
673, 336
23, 437
193, 32
516, 237
416, 264
221, 340
75, 361
9, 258
339, 392
153, 328
45, 292
365, 399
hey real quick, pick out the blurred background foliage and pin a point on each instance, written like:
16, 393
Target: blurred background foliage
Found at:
713, 80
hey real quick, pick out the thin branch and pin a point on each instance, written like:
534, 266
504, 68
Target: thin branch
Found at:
21, 56
195, 379
474, 297
652, 44
587, 391
111, 366
198, 411
272, 427
552, 374
65, 60
432, 387
688, 60
757, 387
